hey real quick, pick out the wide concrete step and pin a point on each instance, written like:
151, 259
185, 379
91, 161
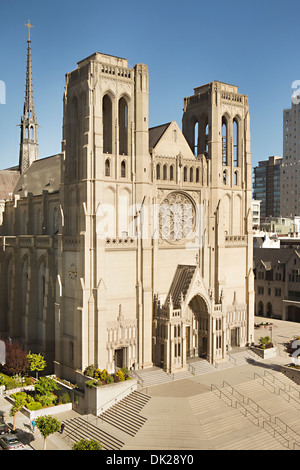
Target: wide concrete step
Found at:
227, 428
78, 428
125, 415
263, 408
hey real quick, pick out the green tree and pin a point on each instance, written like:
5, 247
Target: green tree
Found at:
87, 444
47, 425
36, 362
20, 401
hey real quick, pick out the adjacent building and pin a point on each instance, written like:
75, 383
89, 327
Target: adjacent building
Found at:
266, 186
290, 171
277, 282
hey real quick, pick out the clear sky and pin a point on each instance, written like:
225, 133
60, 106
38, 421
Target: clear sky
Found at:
185, 44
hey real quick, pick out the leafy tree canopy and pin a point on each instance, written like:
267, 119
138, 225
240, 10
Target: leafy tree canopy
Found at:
87, 444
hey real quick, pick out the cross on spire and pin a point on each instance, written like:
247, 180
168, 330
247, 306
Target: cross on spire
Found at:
29, 26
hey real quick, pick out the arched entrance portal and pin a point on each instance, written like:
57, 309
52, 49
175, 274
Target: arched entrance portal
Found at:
197, 335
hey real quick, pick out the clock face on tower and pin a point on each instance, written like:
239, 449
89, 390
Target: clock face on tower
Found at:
177, 217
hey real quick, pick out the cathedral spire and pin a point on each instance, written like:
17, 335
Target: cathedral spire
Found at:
29, 126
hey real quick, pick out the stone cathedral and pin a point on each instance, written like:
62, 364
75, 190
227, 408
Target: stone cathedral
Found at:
132, 247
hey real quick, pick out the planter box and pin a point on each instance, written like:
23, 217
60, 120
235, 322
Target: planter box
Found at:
265, 353
96, 400
50, 410
291, 373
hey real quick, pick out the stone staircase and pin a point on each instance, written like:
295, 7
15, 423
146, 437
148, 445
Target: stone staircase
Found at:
125, 415
265, 409
279, 384
157, 376
80, 428
226, 428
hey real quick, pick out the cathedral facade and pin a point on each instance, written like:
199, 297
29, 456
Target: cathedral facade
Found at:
132, 247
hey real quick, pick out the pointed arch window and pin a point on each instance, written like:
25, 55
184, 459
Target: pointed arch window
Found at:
224, 142
206, 138
235, 132
197, 175
224, 177
123, 169
185, 170
165, 172
24, 280
107, 124
196, 138
158, 171
123, 127
107, 167
41, 288
191, 175
55, 220
172, 173
235, 178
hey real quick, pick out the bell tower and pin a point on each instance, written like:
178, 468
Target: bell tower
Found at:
216, 124
29, 136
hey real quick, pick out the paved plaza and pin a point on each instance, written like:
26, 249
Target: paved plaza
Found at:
186, 415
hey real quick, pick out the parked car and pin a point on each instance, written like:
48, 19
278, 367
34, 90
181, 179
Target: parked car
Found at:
4, 429
11, 442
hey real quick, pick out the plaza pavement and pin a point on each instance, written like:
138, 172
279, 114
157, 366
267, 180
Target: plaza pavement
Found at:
171, 423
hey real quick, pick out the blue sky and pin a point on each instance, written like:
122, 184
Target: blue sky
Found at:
253, 45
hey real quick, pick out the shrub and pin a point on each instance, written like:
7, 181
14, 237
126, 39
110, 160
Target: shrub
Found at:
45, 385
110, 379
46, 400
87, 444
104, 374
90, 370
33, 406
120, 375
91, 383
265, 342
64, 398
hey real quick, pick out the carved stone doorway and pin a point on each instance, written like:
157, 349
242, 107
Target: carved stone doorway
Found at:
199, 335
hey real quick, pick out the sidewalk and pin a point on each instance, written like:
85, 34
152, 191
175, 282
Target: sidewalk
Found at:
34, 440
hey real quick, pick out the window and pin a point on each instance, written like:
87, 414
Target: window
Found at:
172, 172
224, 142
55, 220
123, 127
196, 137
165, 170
123, 169
107, 167
235, 143
185, 173
191, 175
107, 124
158, 171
